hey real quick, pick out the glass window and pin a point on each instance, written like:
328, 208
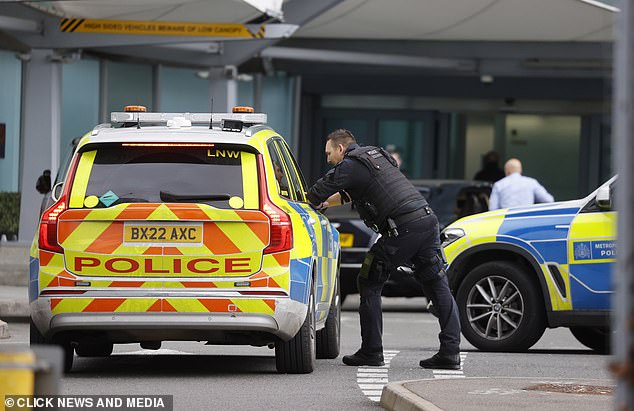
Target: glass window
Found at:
404, 137
281, 175
116, 174
65, 164
556, 167
129, 84
80, 110
297, 180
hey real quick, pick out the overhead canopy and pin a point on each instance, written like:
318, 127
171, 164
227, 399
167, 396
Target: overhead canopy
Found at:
514, 36
40, 24
472, 20
227, 11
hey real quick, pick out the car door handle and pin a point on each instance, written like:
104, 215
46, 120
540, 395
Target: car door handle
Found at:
311, 221
324, 222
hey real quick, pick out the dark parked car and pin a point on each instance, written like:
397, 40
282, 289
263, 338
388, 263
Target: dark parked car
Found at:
450, 200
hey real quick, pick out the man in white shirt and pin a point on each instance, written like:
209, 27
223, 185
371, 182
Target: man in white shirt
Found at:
516, 190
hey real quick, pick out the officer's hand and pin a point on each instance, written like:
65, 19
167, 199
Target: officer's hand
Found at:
321, 207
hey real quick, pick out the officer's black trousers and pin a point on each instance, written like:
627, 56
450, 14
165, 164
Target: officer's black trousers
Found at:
418, 243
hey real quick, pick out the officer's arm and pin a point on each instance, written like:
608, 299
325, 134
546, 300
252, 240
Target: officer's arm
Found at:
328, 187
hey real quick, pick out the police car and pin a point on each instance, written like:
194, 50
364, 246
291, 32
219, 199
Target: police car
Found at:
189, 226
517, 271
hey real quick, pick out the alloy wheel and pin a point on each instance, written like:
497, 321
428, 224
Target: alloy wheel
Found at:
495, 307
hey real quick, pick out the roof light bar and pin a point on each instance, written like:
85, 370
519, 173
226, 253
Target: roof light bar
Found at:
195, 118
166, 145
243, 109
135, 109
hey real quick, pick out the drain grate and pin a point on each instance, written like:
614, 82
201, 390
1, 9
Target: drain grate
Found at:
572, 389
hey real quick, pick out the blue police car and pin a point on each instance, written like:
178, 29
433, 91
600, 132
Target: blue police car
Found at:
517, 271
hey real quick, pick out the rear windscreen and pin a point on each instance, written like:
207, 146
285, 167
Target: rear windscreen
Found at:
224, 177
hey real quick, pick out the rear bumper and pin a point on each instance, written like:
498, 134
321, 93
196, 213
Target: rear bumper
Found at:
284, 323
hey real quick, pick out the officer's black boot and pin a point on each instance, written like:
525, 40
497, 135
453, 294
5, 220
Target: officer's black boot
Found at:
360, 358
442, 362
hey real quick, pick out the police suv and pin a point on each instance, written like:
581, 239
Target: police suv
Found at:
517, 271
190, 226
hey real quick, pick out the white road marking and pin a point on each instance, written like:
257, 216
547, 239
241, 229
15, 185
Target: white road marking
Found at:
447, 374
372, 392
371, 380
377, 370
367, 380
373, 387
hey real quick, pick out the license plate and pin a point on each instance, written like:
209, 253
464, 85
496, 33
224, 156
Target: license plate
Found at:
163, 233
346, 240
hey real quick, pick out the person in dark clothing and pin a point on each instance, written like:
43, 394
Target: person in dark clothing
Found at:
491, 170
388, 203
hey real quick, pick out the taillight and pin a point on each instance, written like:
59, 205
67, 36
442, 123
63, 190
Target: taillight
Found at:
281, 228
48, 227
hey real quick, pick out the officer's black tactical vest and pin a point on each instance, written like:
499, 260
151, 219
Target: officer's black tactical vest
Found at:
389, 193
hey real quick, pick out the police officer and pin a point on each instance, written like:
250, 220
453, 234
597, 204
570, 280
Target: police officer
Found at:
392, 206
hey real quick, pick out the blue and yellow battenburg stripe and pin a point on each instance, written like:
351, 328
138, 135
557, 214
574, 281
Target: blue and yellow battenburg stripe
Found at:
580, 245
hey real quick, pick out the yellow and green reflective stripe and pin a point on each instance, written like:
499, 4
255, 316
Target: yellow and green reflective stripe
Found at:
82, 175
250, 181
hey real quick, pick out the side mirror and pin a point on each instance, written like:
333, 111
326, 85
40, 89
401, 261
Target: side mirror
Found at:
43, 184
57, 191
603, 198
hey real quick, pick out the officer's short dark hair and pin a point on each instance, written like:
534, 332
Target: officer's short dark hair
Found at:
341, 136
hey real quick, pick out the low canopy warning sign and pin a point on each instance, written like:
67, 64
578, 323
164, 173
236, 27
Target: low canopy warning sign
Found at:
162, 28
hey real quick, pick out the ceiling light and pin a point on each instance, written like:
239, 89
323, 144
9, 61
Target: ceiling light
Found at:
486, 78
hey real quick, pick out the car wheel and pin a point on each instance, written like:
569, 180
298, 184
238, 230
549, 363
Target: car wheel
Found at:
500, 307
36, 338
69, 354
297, 355
94, 349
328, 338
597, 338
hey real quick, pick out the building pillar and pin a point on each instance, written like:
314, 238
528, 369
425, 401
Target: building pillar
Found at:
156, 88
223, 88
41, 117
623, 138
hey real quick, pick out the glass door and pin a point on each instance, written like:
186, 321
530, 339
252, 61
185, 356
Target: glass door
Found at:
411, 133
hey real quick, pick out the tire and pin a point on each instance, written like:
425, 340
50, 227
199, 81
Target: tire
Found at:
69, 354
36, 338
514, 320
597, 338
94, 349
329, 338
343, 298
297, 355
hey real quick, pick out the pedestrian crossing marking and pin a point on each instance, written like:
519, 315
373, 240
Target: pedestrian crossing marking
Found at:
371, 380
447, 374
